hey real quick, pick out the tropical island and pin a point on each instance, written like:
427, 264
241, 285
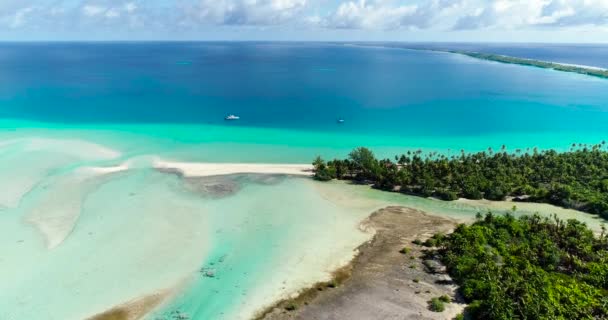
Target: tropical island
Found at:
577, 179
530, 267
590, 71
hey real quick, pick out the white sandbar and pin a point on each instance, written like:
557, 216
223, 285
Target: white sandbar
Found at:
198, 169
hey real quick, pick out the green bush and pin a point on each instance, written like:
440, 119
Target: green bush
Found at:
404, 250
446, 195
436, 305
430, 243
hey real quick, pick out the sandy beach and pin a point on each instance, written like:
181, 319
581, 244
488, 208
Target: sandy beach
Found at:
194, 169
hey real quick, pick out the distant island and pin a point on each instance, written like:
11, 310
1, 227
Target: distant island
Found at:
590, 71
565, 67
577, 179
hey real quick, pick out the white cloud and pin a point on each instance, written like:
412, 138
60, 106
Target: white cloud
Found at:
130, 7
244, 12
370, 15
433, 15
92, 10
20, 17
464, 14
112, 13
518, 14
390, 14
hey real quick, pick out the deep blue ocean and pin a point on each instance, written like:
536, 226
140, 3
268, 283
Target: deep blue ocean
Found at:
306, 86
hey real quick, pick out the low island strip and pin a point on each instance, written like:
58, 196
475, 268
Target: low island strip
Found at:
586, 70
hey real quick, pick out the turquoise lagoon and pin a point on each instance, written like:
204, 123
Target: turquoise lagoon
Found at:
78, 236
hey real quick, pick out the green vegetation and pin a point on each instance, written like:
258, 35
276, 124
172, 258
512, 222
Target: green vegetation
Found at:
436, 305
528, 268
601, 73
405, 250
575, 179
445, 298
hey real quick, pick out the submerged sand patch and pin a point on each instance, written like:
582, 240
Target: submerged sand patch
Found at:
55, 212
132, 310
30, 160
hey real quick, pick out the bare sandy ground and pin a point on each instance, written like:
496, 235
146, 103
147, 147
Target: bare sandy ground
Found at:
132, 310
199, 169
381, 283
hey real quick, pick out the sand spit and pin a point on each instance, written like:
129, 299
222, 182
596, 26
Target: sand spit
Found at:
57, 210
383, 283
194, 169
107, 170
133, 310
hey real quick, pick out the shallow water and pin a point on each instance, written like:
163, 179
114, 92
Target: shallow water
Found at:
223, 247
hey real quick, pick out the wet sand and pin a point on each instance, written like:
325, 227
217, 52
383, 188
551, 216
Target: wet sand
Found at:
381, 282
132, 310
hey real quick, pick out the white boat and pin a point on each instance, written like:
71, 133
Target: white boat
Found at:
232, 117
340, 120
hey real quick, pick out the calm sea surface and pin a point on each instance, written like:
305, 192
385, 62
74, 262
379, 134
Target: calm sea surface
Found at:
296, 86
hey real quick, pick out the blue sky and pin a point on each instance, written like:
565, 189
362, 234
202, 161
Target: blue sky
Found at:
381, 20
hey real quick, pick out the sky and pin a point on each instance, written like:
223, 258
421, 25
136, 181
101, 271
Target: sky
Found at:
579, 21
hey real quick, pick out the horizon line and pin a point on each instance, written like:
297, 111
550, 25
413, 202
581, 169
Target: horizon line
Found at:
292, 41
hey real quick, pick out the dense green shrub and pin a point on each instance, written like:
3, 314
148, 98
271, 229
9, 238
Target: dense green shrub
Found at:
404, 250
436, 305
528, 268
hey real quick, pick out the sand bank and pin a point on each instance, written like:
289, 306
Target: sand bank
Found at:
55, 211
196, 169
132, 310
